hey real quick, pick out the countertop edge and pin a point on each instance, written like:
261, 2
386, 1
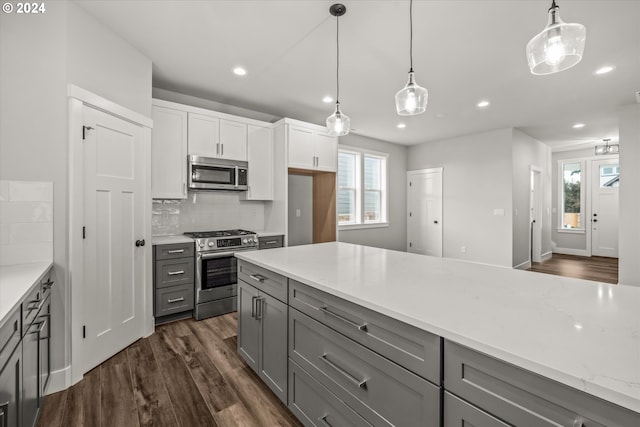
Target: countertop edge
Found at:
43, 268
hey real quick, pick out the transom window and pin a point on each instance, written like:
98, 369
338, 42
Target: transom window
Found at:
362, 187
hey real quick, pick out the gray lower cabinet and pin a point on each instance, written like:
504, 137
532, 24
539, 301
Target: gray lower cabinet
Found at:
381, 391
458, 413
314, 405
262, 336
523, 398
269, 242
11, 371
173, 281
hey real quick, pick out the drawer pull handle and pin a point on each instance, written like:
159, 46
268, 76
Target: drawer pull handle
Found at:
347, 375
323, 420
40, 329
259, 307
257, 277
48, 284
362, 327
176, 273
579, 422
171, 301
253, 307
176, 251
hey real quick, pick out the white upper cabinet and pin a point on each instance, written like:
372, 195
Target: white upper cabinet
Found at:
219, 138
311, 148
168, 153
260, 155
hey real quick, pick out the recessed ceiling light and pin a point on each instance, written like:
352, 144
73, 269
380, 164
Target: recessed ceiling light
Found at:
239, 71
483, 104
327, 99
440, 116
604, 70
401, 126
578, 125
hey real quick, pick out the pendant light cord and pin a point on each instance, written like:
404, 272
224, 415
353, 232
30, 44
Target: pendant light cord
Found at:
337, 60
411, 36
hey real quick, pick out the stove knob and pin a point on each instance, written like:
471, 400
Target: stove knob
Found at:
245, 241
211, 244
201, 245
250, 240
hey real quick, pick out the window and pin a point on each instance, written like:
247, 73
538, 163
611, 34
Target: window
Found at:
572, 195
362, 187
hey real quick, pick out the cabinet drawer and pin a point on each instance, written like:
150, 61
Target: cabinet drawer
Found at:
458, 413
31, 305
174, 250
171, 272
406, 345
378, 389
316, 406
521, 397
10, 335
174, 299
265, 280
270, 242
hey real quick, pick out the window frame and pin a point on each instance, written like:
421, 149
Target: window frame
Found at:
583, 190
360, 223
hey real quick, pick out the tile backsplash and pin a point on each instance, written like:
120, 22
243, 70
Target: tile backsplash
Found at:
26, 222
206, 211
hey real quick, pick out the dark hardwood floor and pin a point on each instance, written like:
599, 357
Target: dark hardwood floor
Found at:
599, 269
187, 374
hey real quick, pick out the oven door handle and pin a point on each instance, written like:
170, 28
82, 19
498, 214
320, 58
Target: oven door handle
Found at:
213, 255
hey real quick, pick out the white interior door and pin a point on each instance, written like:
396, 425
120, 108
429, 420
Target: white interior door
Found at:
424, 212
114, 180
604, 207
535, 214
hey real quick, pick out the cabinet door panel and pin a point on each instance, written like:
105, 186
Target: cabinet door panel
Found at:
326, 152
273, 345
11, 388
301, 149
168, 154
260, 158
233, 140
248, 326
458, 413
204, 135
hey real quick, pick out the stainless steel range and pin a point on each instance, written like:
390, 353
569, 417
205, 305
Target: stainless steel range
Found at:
216, 269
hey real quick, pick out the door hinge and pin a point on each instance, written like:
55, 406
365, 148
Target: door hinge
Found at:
409, 181
409, 213
84, 331
84, 131
84, 232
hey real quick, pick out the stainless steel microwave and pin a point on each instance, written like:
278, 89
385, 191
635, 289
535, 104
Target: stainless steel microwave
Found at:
206, 173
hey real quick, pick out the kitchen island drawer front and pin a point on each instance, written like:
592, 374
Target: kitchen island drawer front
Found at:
408, 346
314, 405
270, 242
378, 389
174, 299
31, 305
10, 334
265, 280
521, 397
170, 272
459, 413
174, 250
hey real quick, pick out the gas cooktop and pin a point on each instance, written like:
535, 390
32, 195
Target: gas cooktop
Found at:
207, 241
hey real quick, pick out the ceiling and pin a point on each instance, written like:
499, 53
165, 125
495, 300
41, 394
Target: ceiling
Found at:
464, 52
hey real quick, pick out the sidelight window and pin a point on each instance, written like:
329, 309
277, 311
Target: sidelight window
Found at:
362, 187
572, 195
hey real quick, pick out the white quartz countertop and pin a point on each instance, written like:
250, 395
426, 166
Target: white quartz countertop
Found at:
168, 240
16, 281
580, 333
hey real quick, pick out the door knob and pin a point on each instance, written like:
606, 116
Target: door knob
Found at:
140, 243
595, 220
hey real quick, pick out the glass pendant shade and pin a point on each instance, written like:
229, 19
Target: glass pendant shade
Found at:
338, 124
411, 99
558, 47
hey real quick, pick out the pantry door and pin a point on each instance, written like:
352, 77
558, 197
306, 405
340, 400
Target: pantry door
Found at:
114, 243
424, 212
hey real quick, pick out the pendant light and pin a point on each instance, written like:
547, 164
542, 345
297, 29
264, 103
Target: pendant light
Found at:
412, 99
558, 47
338, 123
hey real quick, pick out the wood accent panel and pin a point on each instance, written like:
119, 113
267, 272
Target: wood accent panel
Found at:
599, 269
188, 373
324, 207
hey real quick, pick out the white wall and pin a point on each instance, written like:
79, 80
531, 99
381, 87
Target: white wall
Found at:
300, 199
629, 220
477, 173
529, 152
394, 236
39, 56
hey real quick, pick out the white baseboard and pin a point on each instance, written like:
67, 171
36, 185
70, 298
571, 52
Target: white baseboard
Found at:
546, 256
59, 380
525, 265
570, 251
